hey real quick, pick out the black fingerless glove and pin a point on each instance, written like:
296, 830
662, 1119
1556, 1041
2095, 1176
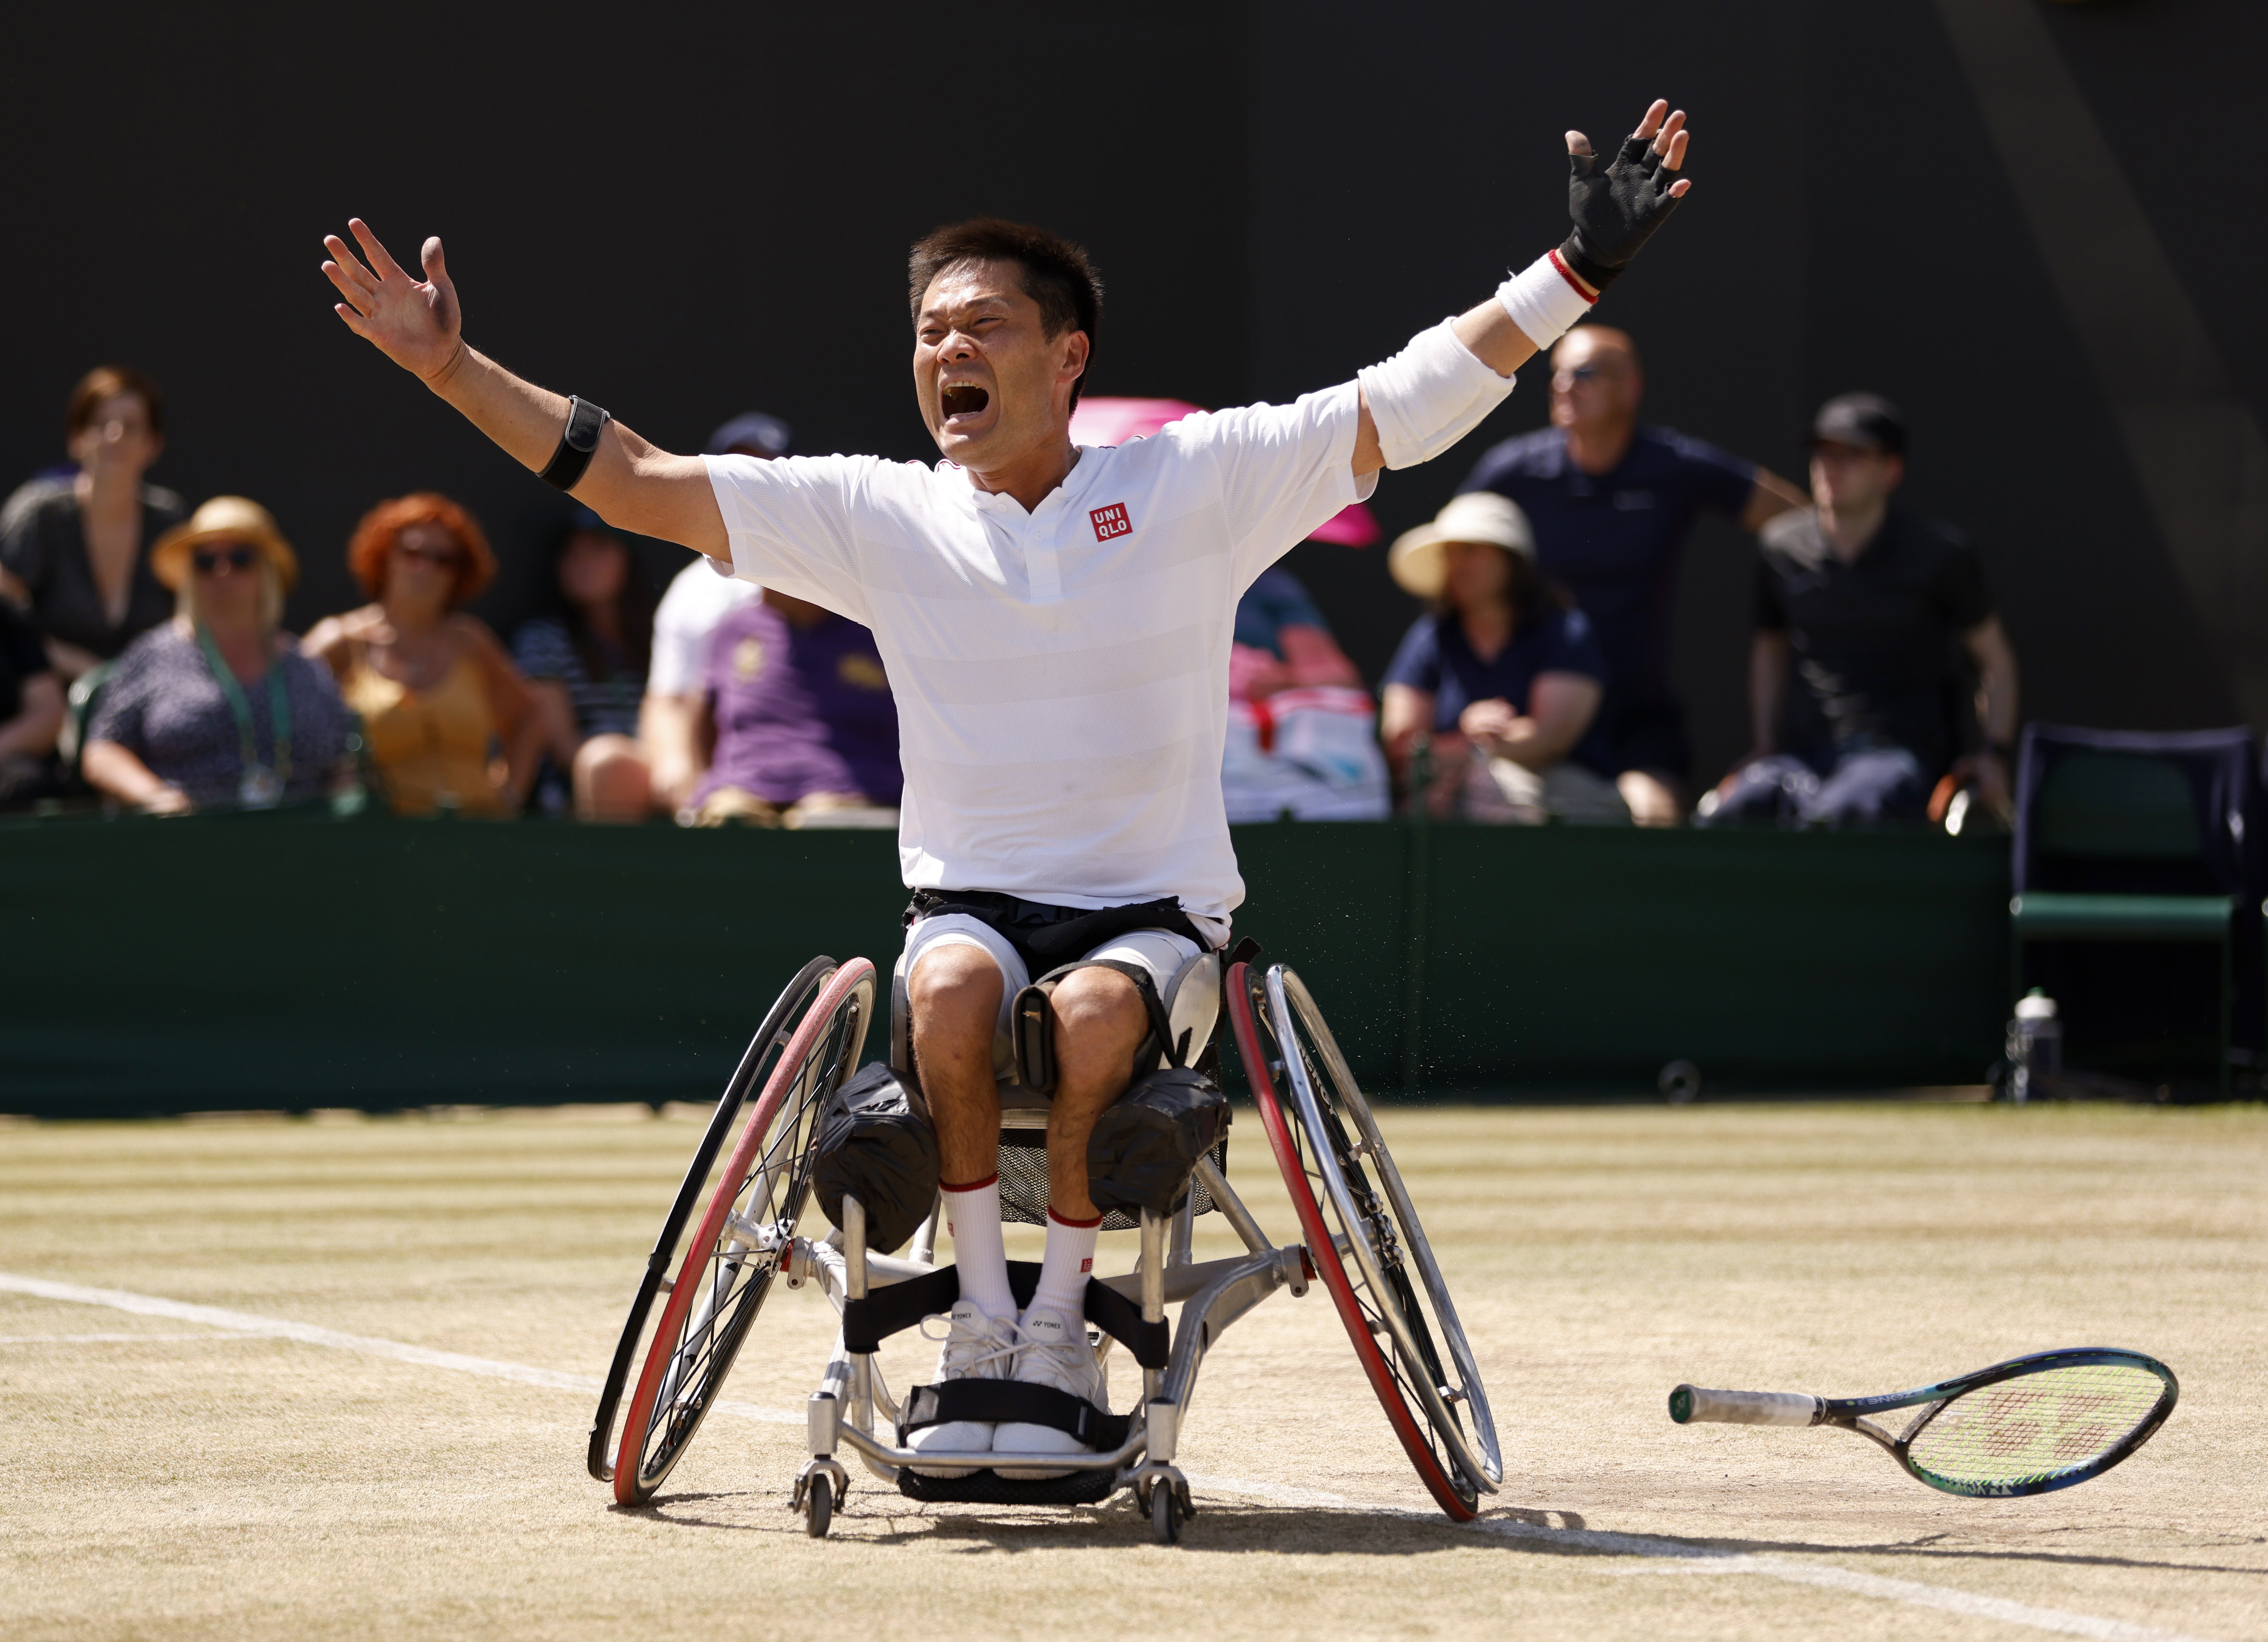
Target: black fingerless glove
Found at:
1616, 208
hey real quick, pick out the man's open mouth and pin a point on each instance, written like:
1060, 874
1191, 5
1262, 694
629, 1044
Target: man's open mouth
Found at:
963, 399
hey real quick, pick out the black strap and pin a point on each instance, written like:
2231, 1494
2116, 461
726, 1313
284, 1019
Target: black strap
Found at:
996, 1402
1161, 1030
576, 442
897, 1306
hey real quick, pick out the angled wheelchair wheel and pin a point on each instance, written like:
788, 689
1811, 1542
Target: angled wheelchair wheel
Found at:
755, 1065
1365, 1239
743, 1236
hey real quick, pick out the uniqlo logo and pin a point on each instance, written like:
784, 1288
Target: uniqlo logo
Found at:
1110, 521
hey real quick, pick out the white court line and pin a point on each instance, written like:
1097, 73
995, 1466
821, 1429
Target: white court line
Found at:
308, 1334
1651, 1555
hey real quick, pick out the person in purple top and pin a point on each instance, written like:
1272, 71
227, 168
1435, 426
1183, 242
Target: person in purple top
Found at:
1611, 504
804, 721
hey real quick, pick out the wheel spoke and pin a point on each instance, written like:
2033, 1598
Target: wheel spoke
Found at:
1377, 1262
751, 1222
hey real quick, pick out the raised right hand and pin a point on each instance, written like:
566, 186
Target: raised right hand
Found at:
416, 324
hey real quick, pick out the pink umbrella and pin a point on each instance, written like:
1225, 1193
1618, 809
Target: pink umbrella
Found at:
1106, 421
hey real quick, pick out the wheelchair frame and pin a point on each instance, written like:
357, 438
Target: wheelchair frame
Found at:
1377, 1231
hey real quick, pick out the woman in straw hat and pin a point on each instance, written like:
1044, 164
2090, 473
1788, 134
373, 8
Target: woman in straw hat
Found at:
217, 707
450, 724
1503, 677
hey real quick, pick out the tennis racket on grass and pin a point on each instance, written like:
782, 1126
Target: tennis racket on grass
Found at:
2030, 1425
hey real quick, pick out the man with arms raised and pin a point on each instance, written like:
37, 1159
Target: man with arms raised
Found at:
1055, 622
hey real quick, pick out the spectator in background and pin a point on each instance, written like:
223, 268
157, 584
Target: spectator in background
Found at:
584, 657
804, 724
448, 721
74, 549
217, 707
1868, 601
1504, 678
670, 734
30, 713
1612, 504
1302, 736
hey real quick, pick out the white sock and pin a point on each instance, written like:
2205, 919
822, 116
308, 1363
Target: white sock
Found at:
1065, 1266
972, 1217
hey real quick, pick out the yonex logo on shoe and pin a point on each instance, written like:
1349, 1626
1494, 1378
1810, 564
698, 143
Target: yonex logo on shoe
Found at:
1110, 521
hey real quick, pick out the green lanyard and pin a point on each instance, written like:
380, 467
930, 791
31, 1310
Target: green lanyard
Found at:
279, 708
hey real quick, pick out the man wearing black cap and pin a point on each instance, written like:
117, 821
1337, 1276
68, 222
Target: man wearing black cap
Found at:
1868, 600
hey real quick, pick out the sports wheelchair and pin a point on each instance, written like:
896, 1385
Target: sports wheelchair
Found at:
1359, 1235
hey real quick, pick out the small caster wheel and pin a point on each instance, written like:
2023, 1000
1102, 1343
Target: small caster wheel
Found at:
819, 1507
1166, 1516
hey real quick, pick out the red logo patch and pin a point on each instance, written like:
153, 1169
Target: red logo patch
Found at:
1086, 1265
1110, 521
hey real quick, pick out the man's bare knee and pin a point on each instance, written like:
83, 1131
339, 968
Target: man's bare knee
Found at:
1653, 799
1099, 1020
954, 994
610, 779
955, 980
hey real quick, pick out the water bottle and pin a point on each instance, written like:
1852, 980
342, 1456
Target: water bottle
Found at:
2035, 1042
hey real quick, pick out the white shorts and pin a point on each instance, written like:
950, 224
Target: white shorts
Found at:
1162, 953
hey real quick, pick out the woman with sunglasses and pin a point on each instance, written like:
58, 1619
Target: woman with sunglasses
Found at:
218, 709
449, 723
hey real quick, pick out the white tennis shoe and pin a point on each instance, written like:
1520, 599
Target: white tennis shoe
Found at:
1051, 1350
974, 1347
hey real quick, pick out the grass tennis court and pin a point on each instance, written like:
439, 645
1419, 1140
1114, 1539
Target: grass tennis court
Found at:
169, 1477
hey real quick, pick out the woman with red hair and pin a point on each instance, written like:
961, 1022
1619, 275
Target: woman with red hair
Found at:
448, 722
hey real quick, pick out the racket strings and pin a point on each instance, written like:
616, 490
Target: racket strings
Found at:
2057, 1420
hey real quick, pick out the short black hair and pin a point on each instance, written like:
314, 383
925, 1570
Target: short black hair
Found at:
1057, 273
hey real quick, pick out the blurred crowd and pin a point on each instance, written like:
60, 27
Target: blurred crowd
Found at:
144, 662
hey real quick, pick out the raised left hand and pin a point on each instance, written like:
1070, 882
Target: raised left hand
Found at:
1616, 207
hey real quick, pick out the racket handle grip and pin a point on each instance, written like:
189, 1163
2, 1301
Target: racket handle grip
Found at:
1695, 1404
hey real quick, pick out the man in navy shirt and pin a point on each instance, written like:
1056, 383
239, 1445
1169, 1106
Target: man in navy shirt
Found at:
1611, 504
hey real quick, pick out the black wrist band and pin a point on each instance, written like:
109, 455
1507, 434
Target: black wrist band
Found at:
564, 470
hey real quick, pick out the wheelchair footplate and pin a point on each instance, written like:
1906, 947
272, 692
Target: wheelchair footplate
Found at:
879, 1296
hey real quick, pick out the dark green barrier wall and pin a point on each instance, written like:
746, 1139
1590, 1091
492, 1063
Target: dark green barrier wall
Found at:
293, 960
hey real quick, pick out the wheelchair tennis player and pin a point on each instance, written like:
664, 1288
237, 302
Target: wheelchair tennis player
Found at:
1055, 623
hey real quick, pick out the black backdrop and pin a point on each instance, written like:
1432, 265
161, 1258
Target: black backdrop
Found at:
687, 211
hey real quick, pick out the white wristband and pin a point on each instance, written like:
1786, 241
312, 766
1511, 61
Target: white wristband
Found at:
1543, 300
1430, 395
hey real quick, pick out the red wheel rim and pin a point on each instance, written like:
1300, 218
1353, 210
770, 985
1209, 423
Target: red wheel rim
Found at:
698, 1248
1325, 1258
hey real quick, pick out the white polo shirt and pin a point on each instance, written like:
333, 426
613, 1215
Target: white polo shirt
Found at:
688, 612
1060, 675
